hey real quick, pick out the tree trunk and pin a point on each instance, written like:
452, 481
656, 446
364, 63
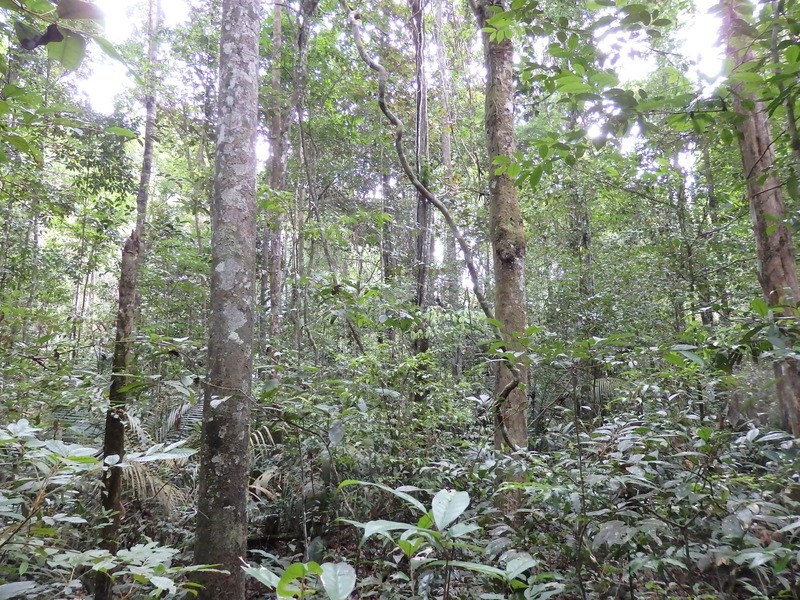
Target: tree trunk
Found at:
422, 235
224, 466
777, 270
121, 371
506, 231
452, 266
272, 247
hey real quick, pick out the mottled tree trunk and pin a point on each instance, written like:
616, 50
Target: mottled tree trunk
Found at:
121, 370
224, 469
506, 230
777, 269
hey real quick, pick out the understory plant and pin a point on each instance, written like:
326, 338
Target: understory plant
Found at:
48, 513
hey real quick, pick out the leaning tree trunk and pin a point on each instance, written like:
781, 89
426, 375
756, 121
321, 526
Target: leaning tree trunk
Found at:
221, 536
114, 437
506, 231
777, 269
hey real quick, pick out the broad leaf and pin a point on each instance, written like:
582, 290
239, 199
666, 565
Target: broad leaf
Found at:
12, 590
69, 52
28, 36
78, 9
400, 494
336, 433
264, 575
447, 507
384, 527
338, 579
471, 566
38, 6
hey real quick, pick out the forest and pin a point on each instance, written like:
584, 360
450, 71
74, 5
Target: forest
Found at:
421, 299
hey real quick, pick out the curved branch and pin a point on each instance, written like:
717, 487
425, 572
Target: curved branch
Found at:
383, 76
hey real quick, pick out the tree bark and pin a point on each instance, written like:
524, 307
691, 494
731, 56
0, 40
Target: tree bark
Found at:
272, 276
506, 231
121, 370
452, 266
777, 270
422, 233
224, 466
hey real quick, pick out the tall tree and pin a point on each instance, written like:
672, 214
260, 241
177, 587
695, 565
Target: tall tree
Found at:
114, 437
506, 229
272, 273
224, 469
422, 234
777, 268
423, 212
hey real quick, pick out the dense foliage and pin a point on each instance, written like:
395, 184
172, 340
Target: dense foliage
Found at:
658, 465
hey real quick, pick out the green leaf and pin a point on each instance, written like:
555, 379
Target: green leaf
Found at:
11, 590
413, 502
121, 131
38, 6
112, 52
28, 36
470, 566
674, 358
536, 175
338, 579
694, 358
264, 575
69, 52
163, 583
705, 433
384, 527
292, 573
109, 48
336, 433
519, 565
461, 529
21, 144
78, 9
760, 307
746, 77
447, 506
572, 84
410, 547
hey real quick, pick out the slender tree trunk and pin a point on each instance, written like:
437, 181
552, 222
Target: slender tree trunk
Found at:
224, 467
387, 234
777, 270
778, 8
422, 236
506, 231
716, 286
305, 14
452, 266
121, 369
272, 274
